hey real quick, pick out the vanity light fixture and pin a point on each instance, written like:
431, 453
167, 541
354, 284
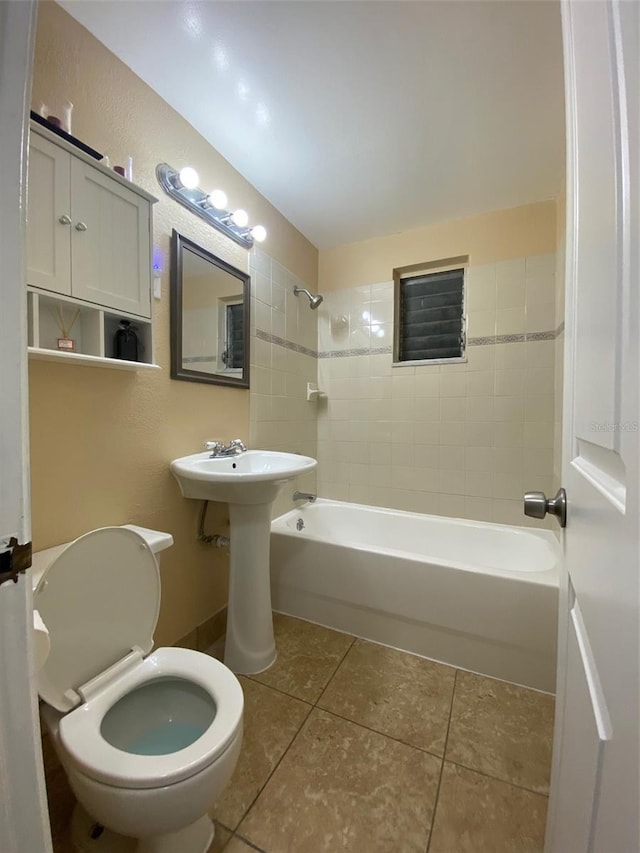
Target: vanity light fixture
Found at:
183, 187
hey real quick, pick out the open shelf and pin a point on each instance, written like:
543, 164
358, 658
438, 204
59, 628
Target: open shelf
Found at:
93, 331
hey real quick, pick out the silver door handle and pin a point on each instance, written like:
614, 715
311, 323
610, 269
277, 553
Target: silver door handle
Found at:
64, 219
537, 505
80, 226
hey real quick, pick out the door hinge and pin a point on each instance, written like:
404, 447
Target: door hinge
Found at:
14, 560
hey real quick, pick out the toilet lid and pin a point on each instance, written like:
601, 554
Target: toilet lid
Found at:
99, 599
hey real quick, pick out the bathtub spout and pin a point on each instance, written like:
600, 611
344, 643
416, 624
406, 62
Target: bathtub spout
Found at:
304, 496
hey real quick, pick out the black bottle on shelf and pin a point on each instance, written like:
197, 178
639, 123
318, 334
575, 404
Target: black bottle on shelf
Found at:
125, 344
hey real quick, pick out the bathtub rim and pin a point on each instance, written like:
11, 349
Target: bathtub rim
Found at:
547, 577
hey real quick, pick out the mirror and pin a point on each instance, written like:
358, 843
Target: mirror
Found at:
209, 317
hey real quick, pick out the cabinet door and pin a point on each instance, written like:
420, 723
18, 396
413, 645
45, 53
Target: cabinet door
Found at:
48, 217
110, 242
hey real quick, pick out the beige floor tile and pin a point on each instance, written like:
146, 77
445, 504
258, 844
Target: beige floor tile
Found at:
343, 787
393, 692
308, 655
271, 721
476, 814
502, 730
237, 845
220, 840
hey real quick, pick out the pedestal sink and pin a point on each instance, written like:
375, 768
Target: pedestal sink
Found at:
249, 483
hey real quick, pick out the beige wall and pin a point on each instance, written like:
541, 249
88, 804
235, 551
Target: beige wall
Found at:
496, 236
101, 439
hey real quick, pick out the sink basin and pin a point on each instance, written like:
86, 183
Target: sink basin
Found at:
252, 477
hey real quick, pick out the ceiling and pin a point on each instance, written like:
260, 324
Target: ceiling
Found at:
359, 119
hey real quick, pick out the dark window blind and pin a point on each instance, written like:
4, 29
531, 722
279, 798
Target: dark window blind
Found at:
235, 335
431, 316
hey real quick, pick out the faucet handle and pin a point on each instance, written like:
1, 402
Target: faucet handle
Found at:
239, 443
213, 446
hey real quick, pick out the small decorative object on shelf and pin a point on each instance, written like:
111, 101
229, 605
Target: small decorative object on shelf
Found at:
66, 343
58, 116
126, 344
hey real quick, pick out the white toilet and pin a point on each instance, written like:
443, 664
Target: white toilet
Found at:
148, 740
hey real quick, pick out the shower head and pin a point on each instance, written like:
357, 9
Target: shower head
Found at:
314, 301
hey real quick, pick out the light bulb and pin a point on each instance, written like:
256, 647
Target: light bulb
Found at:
218, 198
240, 217
259, 233
189, 178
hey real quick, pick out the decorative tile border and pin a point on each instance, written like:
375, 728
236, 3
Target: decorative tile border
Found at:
488, 340
196, 359
347, 353
515, 339
282, 342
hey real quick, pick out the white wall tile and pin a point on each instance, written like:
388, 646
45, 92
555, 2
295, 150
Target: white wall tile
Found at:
541, 290
539, 434
507, 434
508, 408
510, 321
481, 323
479, 484
479, 459
539, 380
479, 433
452, 482
427, 385
480, 383
511, 271
453, 408
480, 408
510, 293
538, 265
453, 384
540, 318
443, 439
509, 383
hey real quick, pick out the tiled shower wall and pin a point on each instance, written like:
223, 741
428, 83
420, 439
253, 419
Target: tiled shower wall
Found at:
460, 440
284, 342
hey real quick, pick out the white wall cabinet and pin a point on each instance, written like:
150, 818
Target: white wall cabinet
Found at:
89, 244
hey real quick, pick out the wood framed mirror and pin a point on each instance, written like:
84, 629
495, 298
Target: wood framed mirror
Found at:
209, 317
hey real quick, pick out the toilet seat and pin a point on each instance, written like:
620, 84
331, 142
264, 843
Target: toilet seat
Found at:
100, 599
81, 736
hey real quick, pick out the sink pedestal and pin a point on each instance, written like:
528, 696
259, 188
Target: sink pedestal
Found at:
250, 646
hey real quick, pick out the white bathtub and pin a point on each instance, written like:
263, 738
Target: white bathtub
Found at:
471, 594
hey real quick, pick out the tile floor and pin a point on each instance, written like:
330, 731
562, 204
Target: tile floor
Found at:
351, 746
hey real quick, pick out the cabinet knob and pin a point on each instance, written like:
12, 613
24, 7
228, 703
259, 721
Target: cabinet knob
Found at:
80, 226
64, 219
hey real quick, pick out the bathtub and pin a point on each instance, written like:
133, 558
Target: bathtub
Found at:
474, 595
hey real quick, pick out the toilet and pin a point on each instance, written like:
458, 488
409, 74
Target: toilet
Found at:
148, 739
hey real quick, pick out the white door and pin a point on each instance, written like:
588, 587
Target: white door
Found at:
595, 780
23, 807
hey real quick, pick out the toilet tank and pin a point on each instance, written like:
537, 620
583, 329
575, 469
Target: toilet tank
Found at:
155, 539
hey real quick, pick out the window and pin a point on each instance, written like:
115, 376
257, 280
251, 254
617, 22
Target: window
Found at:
232, 338
429, 316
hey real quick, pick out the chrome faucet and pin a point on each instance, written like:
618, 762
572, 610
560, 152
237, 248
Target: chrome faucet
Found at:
234, 448
304, 496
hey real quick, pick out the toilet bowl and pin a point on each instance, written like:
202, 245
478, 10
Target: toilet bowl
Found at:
148, 740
